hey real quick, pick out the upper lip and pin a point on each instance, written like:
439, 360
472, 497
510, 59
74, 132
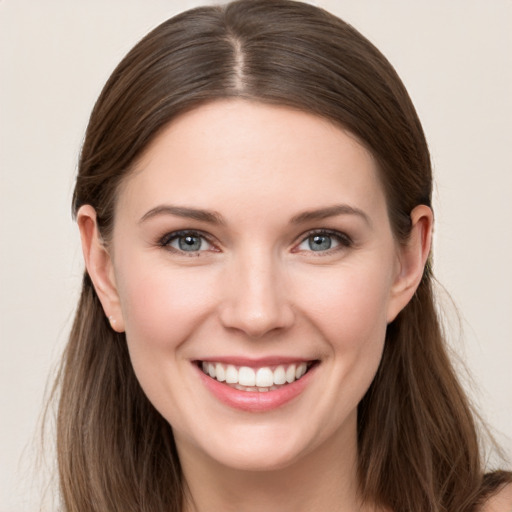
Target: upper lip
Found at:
256, 362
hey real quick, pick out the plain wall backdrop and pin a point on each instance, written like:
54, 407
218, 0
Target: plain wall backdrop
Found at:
55, 55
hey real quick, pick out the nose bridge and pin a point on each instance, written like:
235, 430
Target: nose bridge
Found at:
255, 299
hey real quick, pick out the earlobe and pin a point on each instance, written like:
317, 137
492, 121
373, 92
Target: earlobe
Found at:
413, 257
99, 266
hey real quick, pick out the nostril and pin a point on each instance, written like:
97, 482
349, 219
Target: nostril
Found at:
253, 296
257, 320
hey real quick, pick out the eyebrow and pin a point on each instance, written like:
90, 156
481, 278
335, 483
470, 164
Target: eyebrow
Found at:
213, 217
187, 213
330, 211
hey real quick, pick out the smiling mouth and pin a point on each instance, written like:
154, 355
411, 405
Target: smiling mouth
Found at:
262, 379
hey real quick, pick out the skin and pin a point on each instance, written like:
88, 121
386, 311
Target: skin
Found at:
257, 289
501, 501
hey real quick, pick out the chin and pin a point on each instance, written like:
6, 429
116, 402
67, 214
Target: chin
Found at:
246, 448
259, 458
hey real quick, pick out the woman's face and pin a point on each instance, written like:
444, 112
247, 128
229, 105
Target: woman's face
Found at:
253, 243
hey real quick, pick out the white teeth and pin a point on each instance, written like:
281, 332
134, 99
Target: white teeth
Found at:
251, 388
290, 373
250, 379
246, 376
264, 378
279, 375
300, 371
231, 374
220, 374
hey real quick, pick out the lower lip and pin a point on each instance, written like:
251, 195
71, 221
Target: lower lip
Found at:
256, 401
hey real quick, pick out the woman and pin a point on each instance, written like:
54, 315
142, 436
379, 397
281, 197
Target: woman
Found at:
257, 326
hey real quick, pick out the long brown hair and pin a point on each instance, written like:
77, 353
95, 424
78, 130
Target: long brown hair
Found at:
418, 445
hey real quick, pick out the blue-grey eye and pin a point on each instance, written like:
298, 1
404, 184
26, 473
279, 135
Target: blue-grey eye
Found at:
319, 242
186, 242
190, 243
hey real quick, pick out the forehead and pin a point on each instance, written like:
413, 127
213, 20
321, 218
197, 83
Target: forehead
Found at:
236, 151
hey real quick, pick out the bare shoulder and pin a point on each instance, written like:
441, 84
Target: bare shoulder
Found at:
499, 502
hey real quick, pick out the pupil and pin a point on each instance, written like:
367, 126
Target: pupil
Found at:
319, 242
190, 243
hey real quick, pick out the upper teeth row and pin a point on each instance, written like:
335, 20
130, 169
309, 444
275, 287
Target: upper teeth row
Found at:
260, 377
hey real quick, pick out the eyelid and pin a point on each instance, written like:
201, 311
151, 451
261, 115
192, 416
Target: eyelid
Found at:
165, 240
344, 240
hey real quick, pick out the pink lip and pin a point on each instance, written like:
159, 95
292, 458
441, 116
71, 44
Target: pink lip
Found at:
255, 401
256, 362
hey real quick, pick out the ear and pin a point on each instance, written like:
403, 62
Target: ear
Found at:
99, 266
412, 259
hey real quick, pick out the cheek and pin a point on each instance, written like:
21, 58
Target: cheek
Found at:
162, 310
350, 306
348, 309
161, 306
351, 317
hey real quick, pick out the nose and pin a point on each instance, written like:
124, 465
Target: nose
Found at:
255, 298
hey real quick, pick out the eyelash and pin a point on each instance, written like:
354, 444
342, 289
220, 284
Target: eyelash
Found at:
342, 239
168, 238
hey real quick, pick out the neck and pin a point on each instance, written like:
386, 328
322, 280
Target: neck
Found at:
324, 479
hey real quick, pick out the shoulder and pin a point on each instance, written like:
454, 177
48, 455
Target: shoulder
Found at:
501, 501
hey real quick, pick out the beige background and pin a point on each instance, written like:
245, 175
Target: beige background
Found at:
456, 60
